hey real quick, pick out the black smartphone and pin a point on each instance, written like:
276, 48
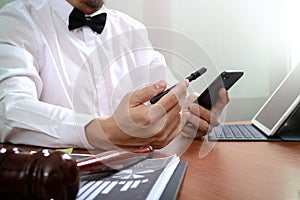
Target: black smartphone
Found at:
226, 80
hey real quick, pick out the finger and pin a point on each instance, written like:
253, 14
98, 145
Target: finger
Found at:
223, 100
210, 116
175, 95
219, 106
166, 119
185, 116
158, 113
170, 130
180, 91
201, 124
144, 94
170, 100
190, 99
191, 132
168, 134
201, 112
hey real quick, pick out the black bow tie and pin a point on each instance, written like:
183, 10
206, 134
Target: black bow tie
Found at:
78, 19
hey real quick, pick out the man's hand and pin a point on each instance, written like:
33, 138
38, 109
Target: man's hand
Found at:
135, 123
201, 120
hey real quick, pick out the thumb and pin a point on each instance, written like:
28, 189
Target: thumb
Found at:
144, 94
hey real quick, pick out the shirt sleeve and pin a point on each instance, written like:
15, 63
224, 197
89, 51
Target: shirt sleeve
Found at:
24, 119
27, 120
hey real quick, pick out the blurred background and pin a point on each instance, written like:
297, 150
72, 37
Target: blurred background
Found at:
260, 37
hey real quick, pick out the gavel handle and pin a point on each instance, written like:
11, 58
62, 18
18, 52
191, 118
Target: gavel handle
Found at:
113, 160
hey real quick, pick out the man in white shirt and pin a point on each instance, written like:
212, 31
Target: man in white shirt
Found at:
62, 86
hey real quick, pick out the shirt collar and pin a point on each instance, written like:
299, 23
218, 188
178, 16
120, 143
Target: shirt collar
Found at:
62, 8
102, 10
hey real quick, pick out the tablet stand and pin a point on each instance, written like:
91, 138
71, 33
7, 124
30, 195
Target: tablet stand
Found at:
290, 130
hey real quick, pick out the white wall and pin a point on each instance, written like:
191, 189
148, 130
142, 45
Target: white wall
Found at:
292, 14
236, 34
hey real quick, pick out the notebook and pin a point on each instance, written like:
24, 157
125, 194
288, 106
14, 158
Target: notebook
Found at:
157, 178
274, 119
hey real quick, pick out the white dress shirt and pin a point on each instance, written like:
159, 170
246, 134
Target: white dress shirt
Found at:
54, 81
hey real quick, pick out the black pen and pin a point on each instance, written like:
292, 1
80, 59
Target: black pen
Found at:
191, 77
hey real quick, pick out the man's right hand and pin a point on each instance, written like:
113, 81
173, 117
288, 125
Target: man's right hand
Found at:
135, 123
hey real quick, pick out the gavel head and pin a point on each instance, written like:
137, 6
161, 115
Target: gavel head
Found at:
41, 175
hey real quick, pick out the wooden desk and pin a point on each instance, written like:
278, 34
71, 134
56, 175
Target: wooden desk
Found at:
241, 170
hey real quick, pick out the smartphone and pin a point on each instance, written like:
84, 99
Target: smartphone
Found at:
226, 80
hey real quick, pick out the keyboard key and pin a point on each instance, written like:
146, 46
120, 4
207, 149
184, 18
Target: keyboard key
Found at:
227, 132
254, 131
245, 131
216, 133
235, 129
236, 132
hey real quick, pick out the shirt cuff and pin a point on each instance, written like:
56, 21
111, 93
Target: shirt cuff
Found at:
74, 134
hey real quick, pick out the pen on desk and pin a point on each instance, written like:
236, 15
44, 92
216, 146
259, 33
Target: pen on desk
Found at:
113, 160
191, 77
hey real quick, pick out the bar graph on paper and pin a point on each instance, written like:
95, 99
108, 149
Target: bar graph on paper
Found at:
121, 182
133, 183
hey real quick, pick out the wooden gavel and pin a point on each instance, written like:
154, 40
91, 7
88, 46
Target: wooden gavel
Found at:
55, 175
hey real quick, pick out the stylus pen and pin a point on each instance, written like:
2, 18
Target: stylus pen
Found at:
191, 77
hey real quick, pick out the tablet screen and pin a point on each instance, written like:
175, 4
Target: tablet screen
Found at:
280, 104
